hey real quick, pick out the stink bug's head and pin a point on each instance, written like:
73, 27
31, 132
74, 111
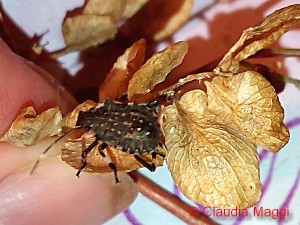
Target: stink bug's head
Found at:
85, 119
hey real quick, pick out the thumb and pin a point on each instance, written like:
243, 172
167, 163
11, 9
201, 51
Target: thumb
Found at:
53, 194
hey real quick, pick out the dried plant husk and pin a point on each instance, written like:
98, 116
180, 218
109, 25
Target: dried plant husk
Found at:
211, 138
112, 8
258, 37
28, 127
210, 163
84, 31
156, 69
132, 7
116, 82
94, 24
248, 103
98, 21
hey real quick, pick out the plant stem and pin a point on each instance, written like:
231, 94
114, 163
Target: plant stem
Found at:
169, 201
271, 52
279, 76
195, 74
292, 81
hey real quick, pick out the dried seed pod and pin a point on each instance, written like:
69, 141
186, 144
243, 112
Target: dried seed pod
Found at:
28, 128
208, 162
98, 21
84, 31
112, 8
249, 104
258, 37
211, 138
133, 6
116, 82
96, 24
156, 69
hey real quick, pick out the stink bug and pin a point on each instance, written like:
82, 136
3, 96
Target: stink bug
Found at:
127, 127
131, 128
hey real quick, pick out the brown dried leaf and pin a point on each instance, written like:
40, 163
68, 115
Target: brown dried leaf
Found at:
96, 24
132, 6
211, 164
156, 69
116, 82
249, 104
28, 128
84, 31
211, 138
72, 150
258, 37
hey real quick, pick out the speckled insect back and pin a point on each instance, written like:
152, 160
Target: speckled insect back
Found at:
128, 127
131, 128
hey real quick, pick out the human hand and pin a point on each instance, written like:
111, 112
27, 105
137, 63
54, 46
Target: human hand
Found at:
53, 194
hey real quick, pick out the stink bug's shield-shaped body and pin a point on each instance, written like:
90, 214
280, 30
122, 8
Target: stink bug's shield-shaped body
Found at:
131, 128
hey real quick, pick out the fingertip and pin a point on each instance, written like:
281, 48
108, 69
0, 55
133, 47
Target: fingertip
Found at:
54, 195
24, 84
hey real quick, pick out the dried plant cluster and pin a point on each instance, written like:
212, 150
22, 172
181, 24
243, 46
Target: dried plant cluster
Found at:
100, 21
97, 23
211, 132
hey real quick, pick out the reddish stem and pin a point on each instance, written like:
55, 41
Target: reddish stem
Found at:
169, 201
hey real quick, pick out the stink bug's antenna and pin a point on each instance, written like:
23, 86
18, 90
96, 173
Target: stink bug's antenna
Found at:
47, 149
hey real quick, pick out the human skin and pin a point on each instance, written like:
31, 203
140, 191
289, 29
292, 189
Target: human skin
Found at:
52, 194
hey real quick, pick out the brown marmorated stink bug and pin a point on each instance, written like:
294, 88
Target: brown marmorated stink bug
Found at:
131, 128
128, 127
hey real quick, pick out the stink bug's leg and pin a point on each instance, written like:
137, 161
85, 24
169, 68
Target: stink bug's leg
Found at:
149, 166
162, 155
154, 154
152, 105
84, 155
163, 146
107, 159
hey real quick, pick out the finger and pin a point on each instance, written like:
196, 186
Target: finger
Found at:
53, 195
24, 87
92, 198
21, 85
24, 84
